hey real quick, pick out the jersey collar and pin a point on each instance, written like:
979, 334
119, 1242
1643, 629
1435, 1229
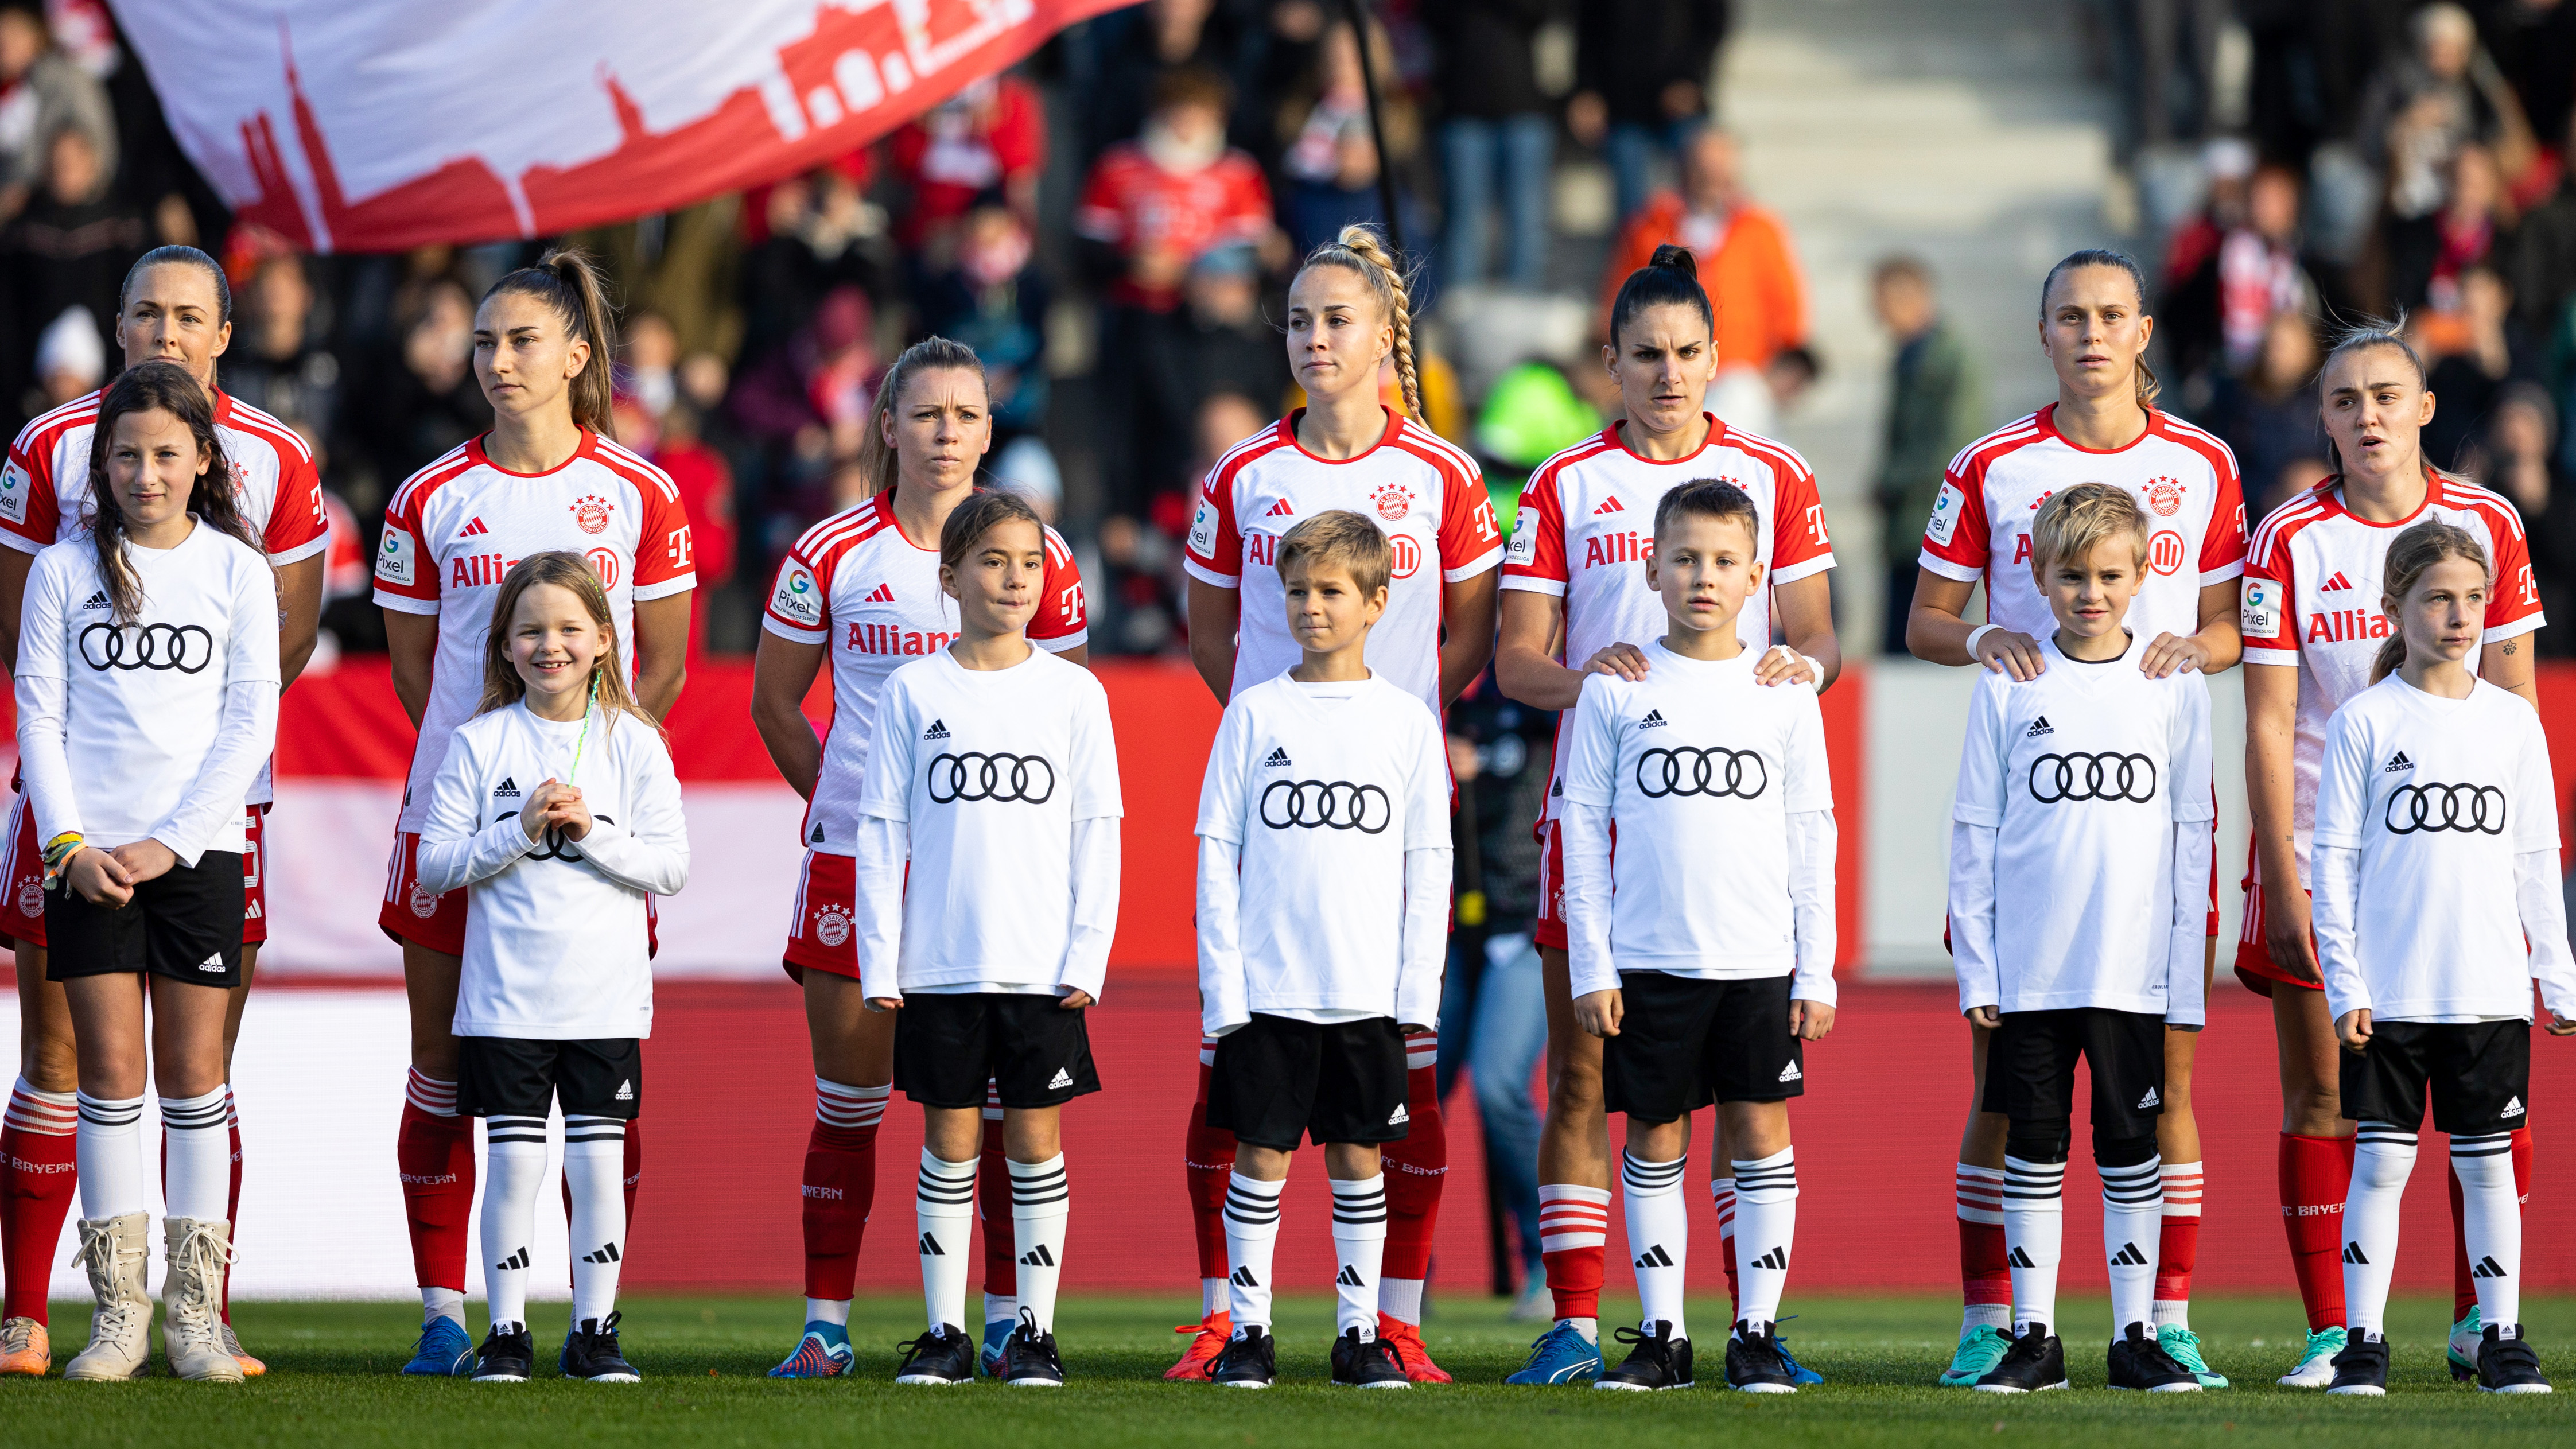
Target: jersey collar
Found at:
1288, 435
1619, 440
2331, 491
2047, 420
586, 448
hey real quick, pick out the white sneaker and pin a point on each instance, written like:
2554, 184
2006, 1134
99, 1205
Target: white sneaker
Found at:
2316, 1366
120, 1325
192, 1323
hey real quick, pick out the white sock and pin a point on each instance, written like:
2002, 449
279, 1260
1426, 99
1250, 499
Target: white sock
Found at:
834, 1311
1766, 1225
444, 1303
1721, 1194
1041, 1202
2034, 1234
594, 1169
514, 1166
1359, 1249
1000, 1308
2133, 1215
2382, 1159
944, 1209
1212, 1299
1401, 1299
1251, 1236
197, 1151
2182, 1200
1984, 1315
2491, 1224
107, 1150
1659, 1234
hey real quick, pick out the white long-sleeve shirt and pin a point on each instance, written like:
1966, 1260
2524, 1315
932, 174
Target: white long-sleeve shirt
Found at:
156, 728
1324, 856
999, 787
2080, 850
555, 936
2436, 858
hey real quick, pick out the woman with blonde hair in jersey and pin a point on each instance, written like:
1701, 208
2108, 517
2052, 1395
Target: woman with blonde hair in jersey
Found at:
1349, 312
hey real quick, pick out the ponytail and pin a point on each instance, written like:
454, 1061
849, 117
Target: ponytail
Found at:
2144, 377
2415, 550
1361, 249
1669, 279
877, 460
568, 282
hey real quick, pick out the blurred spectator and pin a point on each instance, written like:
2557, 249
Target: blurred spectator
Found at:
1641, 71
280, 360
44, 93
1026, 467
989, 138
2427, 103
1327, 157
2267, 413
807, 403
2534, 43
71, 360
993, 298
1936, 405
71, 244
2540, 261
2312, 65
1744, 254
1220, 342
2235, 269
421, 395
2164, 56
705, 482
1531, 414
2517, 456
648, 379
2427, 254
1161, 36
804, 238
1497, 134
2468, 360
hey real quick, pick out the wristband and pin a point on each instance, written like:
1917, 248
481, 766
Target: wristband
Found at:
62, 848
1977, 633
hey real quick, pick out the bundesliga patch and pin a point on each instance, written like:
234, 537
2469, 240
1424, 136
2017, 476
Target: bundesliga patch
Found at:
394, 560
796, 599
2260, 615
1945, 514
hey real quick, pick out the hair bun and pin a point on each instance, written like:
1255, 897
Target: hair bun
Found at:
1675, 258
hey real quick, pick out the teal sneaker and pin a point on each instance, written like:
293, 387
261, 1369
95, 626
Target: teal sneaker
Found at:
2465, 1337
823, 1353
1561, 1356
1980, 1349
996, 1335
2183, 1347
445, 1351
2316, 1366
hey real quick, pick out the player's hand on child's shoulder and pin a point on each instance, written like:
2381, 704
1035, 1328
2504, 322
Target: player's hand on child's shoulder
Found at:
1810, 1019
1599, 1012
1784, 665
2170, 654
1621, 661
2009, 651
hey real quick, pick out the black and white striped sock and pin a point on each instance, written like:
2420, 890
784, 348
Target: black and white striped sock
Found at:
1251, 1235
944, 1210
1041, 1205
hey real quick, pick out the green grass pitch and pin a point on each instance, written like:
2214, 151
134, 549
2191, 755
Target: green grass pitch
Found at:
331, 1380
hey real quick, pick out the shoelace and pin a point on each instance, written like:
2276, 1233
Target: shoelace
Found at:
203, 1255
913, 1348
97, 1253
19, 1336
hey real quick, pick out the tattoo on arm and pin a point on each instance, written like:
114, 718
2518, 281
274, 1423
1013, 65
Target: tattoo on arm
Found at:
2510, 646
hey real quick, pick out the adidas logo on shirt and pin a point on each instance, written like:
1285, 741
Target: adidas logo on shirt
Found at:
1061, 1080
2150, 1100
884, 594
1278, 759
1790, 1073
97, 600
1556, 788
1654, 720
1399, 1117
938, 730
1654, 1257
2488, 1267
508, 789
626, 1091
2336, 582
2038, 727
1608, 505
2128, 1257
2512, 1108
2398, 762
1350, 1277
818, 834
1279, 509
472, 529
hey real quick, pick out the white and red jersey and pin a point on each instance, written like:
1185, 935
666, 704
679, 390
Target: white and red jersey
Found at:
1587, 521
856, 585
1424, 492
2312, 586
457, 526
44, 487
2183, 477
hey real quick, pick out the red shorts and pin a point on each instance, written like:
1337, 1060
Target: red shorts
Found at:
22, 877
824, 933
1549, 929
413, 915
2254, 964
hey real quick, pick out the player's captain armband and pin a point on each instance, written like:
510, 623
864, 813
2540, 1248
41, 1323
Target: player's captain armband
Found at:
1945, 514
797, 599
14, 485
1203, 528
1524, 548
394, 560
2260, 615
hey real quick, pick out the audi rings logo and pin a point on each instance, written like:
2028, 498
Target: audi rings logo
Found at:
187, 648
2092, 777
1333, 804
1718, 773
1026, 779
552, 844
2445, 807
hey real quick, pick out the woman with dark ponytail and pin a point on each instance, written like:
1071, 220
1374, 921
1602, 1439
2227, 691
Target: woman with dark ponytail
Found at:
1575, 602
550, 475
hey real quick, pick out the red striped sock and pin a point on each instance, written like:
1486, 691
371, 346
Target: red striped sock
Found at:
1985, 1274
232, 1194
39, 1176
840, 1184
993, 1205
434, 1150
2316, 1177
1573, 1229
2178, 1239
1207, 1161
1416, 1167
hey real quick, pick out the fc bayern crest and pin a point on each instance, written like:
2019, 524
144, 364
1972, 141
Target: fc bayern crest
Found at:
591, 512
1393, 501
31, 898
2164, 495
831, 926
423, 904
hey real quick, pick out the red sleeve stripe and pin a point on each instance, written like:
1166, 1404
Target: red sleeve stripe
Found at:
1268, 440
838, 532
38, 437
251, 420
1593, 446
2207, 445
1452, 474
630, 465
1057, 555
1994, 445
1782, 458
2284, 521
2484, 500
1424, 439
416, 489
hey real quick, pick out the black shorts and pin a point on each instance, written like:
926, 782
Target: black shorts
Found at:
2030, 1069
2479, 1072
1685, 1042
948, 1045
1277, 1079
510, 1076
185, 924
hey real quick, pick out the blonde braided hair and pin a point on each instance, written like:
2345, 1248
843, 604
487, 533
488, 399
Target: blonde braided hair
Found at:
1361, 249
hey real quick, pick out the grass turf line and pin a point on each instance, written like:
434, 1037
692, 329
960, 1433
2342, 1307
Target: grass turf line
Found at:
704, 1360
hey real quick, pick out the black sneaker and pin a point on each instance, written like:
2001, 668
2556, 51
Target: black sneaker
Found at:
2506, 1363
1658, 1361
1754, 1364
1250, 1360
1367, 1363
2362, 1367
2036, 1362
943, 1355
590, 1352
1029, 1359
2138, 1361
508, 1356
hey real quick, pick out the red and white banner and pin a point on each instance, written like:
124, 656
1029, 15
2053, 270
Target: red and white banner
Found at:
376, 125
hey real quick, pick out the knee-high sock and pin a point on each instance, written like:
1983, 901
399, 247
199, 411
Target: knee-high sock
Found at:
1207, 1163
1985, 1279
39, 1173
197, 1147
993, 1213
1251, 1237
111, 1156
2132, 1228
631, 1169
232, 1192
434, 1151
1721, 1195
944, 1209
516, 1164
1416, 1168
2034, 1236
2383, 1157
2464, 1281
1658, 1217
595, 1170
2177, 1244
1766, 1227
1359, 1252
1573, 1229
2316, 1178
839, 1187
2491, 1218
1041, 1204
